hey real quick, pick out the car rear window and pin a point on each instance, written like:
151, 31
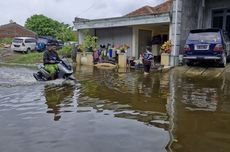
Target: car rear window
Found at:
208, 37
17, 40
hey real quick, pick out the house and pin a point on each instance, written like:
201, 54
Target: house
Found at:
137, 28
14, 30
174, 18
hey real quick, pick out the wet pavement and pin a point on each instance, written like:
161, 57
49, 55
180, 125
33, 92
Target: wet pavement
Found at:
186, 109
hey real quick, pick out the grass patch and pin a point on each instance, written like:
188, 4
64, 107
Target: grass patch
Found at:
6, 40
31, 58
8, 56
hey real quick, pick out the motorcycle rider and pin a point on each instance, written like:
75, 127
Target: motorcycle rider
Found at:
50, 59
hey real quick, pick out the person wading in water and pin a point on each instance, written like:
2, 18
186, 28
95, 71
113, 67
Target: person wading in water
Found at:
147, 59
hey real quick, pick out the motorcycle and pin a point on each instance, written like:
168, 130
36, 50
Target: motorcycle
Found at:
64, 71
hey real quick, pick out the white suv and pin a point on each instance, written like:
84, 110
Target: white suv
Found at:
23, 44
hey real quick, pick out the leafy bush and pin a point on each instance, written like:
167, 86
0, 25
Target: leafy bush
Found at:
90, 42
65, 51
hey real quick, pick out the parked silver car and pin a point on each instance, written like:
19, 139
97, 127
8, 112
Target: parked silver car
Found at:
23, 44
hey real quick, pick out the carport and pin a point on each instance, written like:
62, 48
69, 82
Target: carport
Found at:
204, 14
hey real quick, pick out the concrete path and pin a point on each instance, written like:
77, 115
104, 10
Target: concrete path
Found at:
203, 71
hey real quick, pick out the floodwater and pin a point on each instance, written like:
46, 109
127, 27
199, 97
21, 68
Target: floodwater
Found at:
114, 111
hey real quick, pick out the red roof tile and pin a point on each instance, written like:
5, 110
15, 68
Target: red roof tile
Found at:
146, 10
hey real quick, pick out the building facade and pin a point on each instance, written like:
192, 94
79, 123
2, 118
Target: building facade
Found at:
174, 18
136, 29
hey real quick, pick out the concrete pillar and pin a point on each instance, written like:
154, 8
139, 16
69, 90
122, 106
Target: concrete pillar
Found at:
81, 36
176, 32
170, 31
200, 20
122, 60
135, 42
89, 56
78, 59
165, 59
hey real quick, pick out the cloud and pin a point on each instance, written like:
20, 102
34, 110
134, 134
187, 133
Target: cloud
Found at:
67, 10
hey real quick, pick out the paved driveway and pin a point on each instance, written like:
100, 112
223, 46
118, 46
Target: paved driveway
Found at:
203, 71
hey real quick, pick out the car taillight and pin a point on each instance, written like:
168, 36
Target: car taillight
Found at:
186, 48
218, 47
23, 44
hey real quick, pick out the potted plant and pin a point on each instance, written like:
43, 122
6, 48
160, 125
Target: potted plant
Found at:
165, 52
122, 48
166, 47
90, 42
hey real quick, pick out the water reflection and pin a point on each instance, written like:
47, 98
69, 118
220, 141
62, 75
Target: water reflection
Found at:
117, 111
197, 115
59, 98
200, 98
175, 102
129, 95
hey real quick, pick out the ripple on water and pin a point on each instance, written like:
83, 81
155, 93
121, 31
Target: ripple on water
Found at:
21, 93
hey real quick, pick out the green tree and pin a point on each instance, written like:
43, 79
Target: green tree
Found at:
44, 25
66, 33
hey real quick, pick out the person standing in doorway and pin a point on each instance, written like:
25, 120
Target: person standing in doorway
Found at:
147, 59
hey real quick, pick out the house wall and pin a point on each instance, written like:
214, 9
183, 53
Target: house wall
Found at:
213, 4
116, 36
189, 19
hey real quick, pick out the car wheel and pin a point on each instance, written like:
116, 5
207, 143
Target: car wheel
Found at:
28, 50
223, 61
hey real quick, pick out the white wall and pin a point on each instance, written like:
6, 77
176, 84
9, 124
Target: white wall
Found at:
116, 36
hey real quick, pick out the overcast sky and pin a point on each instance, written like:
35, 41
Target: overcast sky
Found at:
66, 10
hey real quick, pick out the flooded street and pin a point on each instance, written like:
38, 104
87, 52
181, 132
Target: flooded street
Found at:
115, 111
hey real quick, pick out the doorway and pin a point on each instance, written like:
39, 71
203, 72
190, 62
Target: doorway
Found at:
144, 39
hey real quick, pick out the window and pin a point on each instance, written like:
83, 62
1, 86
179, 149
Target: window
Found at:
228, 25
218, 22
30, 41
226, 38
207, 37
218, 12
221, 19
18, 40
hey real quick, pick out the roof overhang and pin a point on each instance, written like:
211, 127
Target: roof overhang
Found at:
122, 21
